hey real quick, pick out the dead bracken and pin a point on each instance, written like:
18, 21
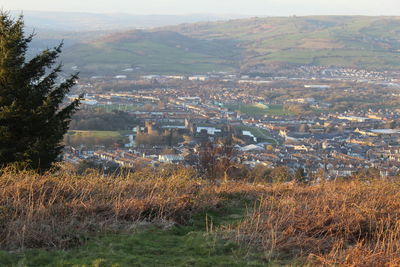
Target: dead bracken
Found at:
347, 223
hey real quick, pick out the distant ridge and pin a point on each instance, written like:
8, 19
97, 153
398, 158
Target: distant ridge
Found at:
256, 44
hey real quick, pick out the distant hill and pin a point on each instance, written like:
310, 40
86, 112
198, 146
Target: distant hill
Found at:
157, 52
353, 41
256, 44
75, 27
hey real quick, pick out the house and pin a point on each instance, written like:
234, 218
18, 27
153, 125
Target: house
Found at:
252, 148
342, 172
171, 158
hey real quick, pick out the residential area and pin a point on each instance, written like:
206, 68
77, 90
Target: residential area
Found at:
304, 128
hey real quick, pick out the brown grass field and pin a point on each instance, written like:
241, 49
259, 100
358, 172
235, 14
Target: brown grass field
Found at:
61, 209
346, 223
349, 223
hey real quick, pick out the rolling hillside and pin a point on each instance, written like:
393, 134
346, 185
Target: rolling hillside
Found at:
252, 44
364, 42
158, 52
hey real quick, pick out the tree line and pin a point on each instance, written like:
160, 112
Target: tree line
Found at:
98, 120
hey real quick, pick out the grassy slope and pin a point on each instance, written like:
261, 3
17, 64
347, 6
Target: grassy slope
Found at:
322, 224
154, 246
127, 219
344, 41
353, 41
157, 52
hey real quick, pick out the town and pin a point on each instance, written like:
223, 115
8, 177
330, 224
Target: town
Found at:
299, 123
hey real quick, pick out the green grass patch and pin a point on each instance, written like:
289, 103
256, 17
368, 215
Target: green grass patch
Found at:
95, 138
112, 107
153, 245
113, 134
259, 109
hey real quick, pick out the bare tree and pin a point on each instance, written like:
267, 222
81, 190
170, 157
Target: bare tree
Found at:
217, 159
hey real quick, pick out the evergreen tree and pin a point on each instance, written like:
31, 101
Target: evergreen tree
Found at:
33, 114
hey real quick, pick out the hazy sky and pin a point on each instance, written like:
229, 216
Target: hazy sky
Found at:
245, 7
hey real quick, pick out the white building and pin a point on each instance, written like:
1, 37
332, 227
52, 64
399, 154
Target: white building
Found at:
170, 158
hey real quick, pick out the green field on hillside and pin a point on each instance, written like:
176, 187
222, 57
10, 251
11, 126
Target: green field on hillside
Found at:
158, 52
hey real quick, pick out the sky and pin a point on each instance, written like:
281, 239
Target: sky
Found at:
239, 7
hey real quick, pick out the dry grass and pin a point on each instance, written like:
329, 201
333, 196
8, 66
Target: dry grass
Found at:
62, 209
336, 223
59, 210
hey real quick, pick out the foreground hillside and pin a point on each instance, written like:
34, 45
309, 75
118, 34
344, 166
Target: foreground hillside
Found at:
170, 216
257, 44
